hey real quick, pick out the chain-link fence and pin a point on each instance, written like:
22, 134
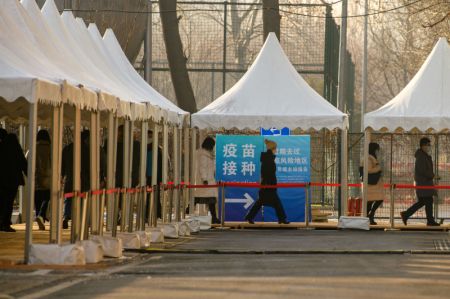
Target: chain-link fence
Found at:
222, 39
397, 160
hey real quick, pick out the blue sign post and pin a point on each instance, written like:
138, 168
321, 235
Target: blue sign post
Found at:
238, 160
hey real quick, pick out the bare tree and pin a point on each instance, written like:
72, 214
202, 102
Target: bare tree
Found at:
175, 56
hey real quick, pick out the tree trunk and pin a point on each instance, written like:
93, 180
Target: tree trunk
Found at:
271, 17
175, 56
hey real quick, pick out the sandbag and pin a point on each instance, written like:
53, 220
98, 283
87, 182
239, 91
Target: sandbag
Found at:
349, 222
112, 247
54, 254
156, 235
130, 240
183, 229
145, 238
170, 230
194, 225
93, 251
205, 221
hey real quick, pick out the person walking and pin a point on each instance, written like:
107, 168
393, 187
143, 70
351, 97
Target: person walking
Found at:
205, 174
42, 177
423, 176
268, 196
14, 166
149, 168
375, 190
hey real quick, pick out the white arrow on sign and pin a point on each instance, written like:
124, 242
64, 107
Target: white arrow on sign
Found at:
248, 200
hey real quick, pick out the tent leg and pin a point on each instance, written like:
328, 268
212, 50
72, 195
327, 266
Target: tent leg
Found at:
154, 196
30, 179
344, 171
366, 173
193, 170
76, 200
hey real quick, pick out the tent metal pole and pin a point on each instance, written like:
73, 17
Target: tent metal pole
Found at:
186, 191
93, 199
110, 171
155, 195
366, 171
76, 200
126, 172
193, 170
54, 188
142, 178
32, 120
59, 203
176, 171
130, 204
165, 170
116, 196
344, 171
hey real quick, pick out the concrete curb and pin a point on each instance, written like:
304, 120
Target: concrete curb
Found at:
255, 252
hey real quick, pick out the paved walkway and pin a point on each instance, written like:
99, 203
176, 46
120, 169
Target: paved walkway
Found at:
314, 241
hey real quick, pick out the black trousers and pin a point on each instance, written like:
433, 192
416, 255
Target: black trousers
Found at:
273, 202
422, 201
6, 206
372, 207
41, 201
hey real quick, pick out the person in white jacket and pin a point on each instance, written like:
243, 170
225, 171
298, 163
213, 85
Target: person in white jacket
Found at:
205, 174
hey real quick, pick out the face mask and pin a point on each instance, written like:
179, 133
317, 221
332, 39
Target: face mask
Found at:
150, 140
377, 153
427, 149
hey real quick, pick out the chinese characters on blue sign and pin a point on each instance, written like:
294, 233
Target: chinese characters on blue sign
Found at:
238, 160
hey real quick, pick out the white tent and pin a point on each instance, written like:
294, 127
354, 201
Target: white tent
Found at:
424, 103
270, 94
124, 67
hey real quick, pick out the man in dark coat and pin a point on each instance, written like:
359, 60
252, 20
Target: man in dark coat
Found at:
149, 172
268, 196
424, 176
67, 173
13, 167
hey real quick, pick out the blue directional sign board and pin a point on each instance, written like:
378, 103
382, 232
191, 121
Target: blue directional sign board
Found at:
238, 160
293, 166
275, 132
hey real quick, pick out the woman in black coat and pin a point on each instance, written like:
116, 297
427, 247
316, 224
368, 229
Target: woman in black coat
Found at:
268, 196
14, 166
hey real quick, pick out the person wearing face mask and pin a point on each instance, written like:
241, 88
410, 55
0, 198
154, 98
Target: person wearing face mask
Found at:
423, 176
268, 196
375, 191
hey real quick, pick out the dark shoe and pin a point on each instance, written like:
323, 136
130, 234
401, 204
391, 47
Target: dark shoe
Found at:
433, 224
283, 222
250, 220
8, 229
40, 222
404, 218
65, 224
216, 221
372, 222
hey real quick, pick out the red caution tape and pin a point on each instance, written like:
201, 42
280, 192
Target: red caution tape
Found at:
97, 192
69, 195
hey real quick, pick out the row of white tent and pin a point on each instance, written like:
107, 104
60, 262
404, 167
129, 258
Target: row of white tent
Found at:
51, 58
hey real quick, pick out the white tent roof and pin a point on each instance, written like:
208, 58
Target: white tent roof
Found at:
270, 94
424, 103
117, 57
51, 58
